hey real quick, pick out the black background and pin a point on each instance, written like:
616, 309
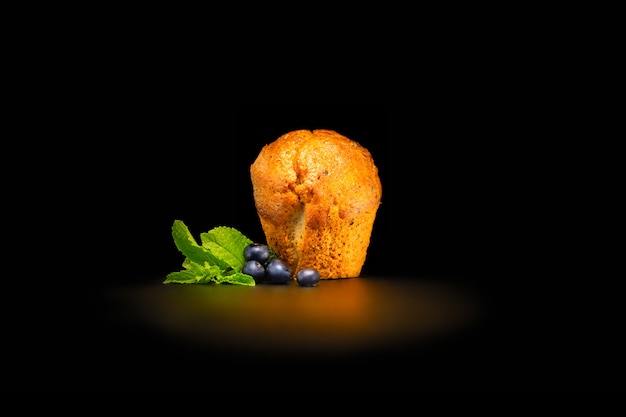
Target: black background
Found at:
466, 199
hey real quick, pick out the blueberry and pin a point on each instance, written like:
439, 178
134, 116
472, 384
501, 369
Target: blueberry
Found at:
257, 252
277, 272
255, 269
307, 277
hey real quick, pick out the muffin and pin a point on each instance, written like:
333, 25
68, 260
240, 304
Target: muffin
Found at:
316, 194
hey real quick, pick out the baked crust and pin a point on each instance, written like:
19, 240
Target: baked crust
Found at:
317, 193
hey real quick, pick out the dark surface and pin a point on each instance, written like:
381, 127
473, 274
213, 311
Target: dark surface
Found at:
465, 205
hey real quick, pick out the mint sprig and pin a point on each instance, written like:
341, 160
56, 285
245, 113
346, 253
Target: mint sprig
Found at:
218, 259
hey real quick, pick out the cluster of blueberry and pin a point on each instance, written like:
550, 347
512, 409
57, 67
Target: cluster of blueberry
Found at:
273, 271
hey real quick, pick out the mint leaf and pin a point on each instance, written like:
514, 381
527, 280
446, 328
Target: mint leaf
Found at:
181, 277
194, 274
239, 278
211, 273
218, 260
186, 243
227, 244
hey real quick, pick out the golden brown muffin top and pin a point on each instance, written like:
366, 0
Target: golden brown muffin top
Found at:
321, 168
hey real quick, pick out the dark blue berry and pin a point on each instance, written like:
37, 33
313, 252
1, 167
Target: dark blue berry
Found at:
277, 272
307, 277
255, 269
257, 252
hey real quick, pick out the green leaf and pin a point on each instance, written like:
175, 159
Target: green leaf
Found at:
227, 244
211, 274
188, 246
238, 279
219, 260
182, 277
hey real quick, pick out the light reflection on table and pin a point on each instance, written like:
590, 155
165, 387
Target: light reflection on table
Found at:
342, 315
